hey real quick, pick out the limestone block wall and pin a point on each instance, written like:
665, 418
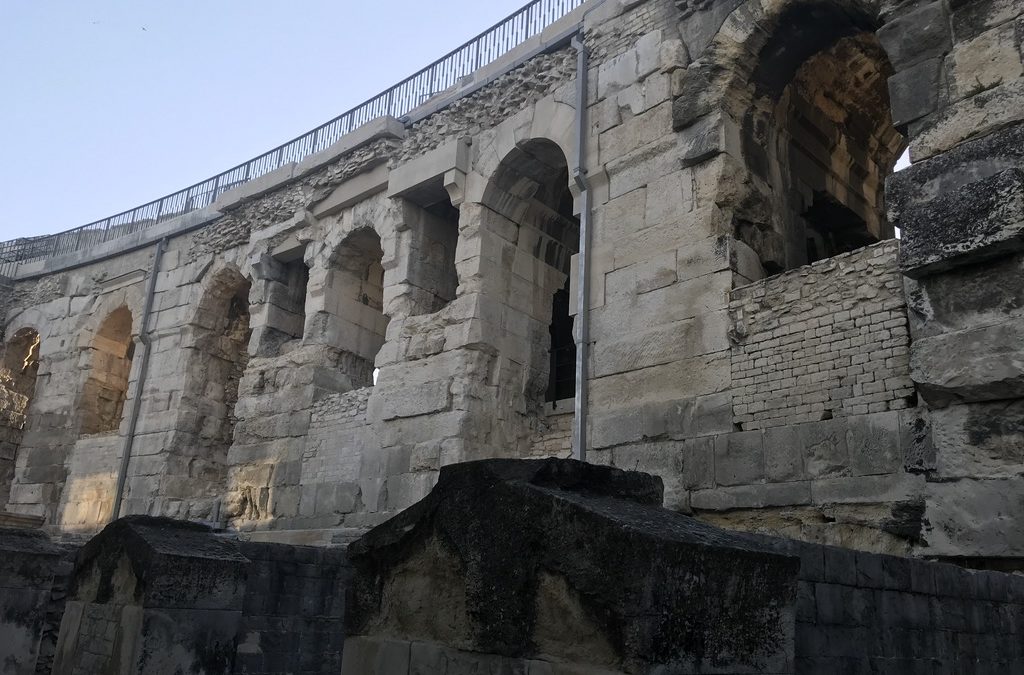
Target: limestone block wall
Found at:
68, 311
792, 607
157, 596
31, 566
326, 338
861, 611
824, 341
961, 210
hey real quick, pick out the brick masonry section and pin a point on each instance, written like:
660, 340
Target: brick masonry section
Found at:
823, 341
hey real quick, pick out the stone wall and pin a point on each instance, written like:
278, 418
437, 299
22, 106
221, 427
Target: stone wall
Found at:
860, 612
824, 341
293, 610
554, 436
430, 251
30, 569
158, 596
828, 609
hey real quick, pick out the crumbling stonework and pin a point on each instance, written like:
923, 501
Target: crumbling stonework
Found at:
325, 338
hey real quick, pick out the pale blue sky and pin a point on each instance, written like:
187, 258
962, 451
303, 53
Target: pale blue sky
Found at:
108, 104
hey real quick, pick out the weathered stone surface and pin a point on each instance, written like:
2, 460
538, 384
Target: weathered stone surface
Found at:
152, 595
921, 34
976, 364
928, 179
979, 440
28, 566
978, 222
975, 518
393, 336
914, 91
519, 589
967, 298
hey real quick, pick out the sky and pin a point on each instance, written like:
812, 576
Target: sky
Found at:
108, 104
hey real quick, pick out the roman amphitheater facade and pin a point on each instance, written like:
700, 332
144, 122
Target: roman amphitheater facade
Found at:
704, 284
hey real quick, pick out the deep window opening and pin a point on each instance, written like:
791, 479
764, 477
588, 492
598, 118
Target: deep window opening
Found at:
433, 273
219, 358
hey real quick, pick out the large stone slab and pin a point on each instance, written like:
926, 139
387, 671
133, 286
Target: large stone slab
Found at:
977, 364
962, 206
575, 562
976, 223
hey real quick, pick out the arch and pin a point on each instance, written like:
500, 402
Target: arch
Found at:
548, 120
217, 355
104, 394
528, 198
351, 318
806, 84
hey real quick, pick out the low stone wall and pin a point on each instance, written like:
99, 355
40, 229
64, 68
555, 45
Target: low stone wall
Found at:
778, 606
29, 567
861, 612
293, 611
823, 341
155, 596
554, 435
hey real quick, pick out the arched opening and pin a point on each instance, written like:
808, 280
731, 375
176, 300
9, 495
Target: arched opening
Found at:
354, 304
104, 394
18, 371
218, 357
818, 138
531, 190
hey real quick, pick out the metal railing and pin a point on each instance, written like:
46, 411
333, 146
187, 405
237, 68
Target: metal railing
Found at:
397, 101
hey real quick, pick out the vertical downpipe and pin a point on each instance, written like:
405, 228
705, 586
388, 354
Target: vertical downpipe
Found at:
133, 419
579, 427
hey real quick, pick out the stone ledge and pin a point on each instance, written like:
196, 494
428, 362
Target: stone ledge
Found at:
978, 222
973, 365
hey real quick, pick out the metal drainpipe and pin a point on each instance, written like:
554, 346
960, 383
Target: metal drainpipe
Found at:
133, 420
579, 174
